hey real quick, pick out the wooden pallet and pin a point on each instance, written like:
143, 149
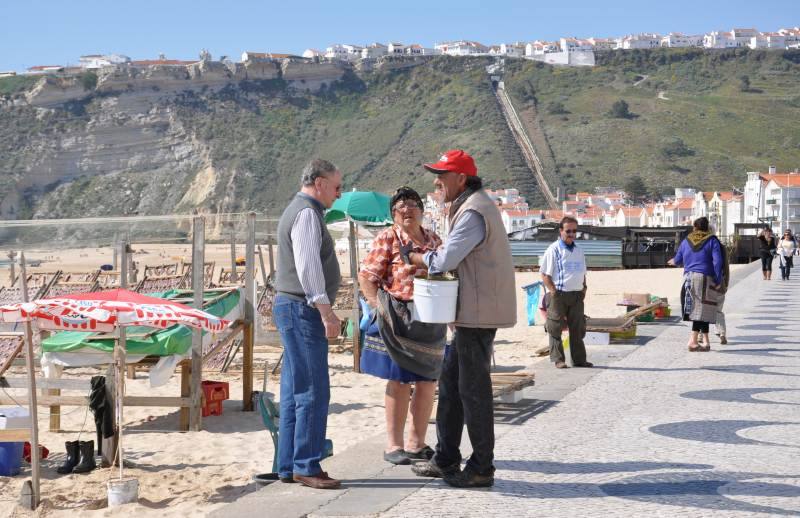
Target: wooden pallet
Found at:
509, 382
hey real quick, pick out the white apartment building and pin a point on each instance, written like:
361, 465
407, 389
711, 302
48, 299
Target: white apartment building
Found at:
719, 40
396, 49
461, 48
791, 37
514, 220
512, 50
724, 210
768, 40
742, 37
374, 51
602, 43
313, 53
639, 41
538, 48
678, 40
344, 52
773, 198
95, 61
574, 45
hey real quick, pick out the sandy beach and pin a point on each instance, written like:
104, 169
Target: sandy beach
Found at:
192, 473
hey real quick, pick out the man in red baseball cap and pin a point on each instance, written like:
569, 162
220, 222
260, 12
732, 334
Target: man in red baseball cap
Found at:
478, 250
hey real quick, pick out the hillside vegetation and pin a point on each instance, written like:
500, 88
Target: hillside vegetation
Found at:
694, 121
689, 118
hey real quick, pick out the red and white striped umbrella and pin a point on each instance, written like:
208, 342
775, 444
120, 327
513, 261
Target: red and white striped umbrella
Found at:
103, 311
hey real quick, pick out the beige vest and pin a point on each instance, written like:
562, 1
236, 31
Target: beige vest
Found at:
486, 287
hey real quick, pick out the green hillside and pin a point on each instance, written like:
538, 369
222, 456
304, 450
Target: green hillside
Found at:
693, 121
706, 131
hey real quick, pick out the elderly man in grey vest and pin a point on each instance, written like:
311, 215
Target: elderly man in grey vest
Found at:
307, 281
477, 248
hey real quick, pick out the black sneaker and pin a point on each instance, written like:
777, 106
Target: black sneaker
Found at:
429, 469
397, 457
469, 478
425, 453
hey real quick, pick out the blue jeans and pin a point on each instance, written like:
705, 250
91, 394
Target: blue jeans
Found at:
305, 387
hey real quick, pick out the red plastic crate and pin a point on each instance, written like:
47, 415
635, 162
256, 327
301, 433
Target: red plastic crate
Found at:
215, 390
212, 408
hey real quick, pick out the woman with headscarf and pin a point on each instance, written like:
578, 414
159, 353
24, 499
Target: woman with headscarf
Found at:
701, 255
787, 248
387, 282
766, 243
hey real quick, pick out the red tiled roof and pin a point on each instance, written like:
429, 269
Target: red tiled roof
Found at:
785, 179
683, 203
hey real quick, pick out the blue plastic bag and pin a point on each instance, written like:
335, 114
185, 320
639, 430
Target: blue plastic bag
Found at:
534, 292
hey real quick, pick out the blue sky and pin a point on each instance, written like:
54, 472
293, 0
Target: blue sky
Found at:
38, 32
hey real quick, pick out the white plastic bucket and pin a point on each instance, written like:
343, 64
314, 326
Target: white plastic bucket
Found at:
435, 301
123, 491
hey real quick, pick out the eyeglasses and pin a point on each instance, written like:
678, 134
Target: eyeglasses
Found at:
405, 206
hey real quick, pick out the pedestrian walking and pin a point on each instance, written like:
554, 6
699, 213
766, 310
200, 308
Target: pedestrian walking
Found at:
307, 281
767, 247
478, 249
563, 270
787, 249
385, 276
701, 255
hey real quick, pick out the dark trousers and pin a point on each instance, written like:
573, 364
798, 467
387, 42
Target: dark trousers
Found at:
786, 266
569, 305
465, 397
766, 262
700, 326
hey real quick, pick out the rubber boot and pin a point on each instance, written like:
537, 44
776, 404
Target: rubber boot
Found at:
87, 458
72, 458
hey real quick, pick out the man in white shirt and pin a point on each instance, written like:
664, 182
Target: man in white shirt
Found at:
563, 270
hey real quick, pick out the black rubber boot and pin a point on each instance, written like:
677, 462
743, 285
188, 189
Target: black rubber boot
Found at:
72, 458
87, 458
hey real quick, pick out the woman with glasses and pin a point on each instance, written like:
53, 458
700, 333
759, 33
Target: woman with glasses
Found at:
787, 248
385, 276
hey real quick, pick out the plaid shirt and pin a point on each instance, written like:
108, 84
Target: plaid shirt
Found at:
384, 267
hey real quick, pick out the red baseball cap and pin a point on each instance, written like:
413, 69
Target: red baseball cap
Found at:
454, 161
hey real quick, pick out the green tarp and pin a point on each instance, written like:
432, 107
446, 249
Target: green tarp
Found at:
174, 340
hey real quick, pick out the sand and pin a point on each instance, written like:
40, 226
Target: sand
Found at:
190, 474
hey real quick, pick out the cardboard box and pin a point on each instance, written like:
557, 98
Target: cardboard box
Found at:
14, 417
636, 299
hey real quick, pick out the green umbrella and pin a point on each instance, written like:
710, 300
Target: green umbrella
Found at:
365, 207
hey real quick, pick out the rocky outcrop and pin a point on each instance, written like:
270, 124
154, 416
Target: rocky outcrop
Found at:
312, 76
54, 90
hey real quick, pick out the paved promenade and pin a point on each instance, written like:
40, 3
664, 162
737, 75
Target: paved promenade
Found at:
654, 430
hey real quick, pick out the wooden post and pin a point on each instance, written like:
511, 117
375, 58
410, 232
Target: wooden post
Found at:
12, 277
119, 356
271, 253
249, 314
32, 408
354, 275
186, 373
233, 251
198, 259
261, 265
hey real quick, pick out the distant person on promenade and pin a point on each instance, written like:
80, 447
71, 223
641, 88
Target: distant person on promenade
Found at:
386, 278
702, 257
767, 247
563, 270
307, 281
787, 249
478, 249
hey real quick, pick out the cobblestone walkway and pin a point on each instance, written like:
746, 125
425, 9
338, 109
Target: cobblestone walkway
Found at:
662, 432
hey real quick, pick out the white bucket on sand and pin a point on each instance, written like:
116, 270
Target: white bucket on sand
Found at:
435, 300
123, 491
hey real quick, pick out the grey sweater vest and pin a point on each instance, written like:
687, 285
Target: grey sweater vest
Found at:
287, 281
